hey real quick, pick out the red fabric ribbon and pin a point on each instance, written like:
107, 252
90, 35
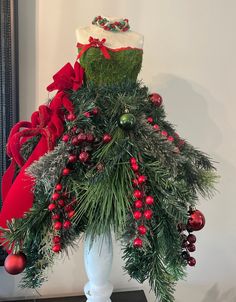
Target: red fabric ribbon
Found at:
94, 43
48, 122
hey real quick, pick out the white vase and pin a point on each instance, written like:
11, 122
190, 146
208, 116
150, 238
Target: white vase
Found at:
98, 255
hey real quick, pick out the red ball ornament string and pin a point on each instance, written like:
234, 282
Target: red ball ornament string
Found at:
142, 204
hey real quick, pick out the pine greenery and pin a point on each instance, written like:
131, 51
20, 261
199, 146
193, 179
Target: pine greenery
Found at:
176, 176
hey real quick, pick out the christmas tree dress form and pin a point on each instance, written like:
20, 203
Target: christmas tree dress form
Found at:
101, 156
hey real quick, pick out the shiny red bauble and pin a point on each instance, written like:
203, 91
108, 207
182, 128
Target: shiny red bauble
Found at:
142, 229
55, 196
164, 133
156, 99
191, 247
191, 238
135, 167
142, 179
56, 239
149, 200
95, 111
61, 202
65, 171
55, 217
67, 224
90, 137
81, 137
138, 204
196, 221
156, 127
138, 194
137, 215
75, 141
107, 138
68, 208
57, 225
65, 138
170, 138
87, 114
72, 158
148, 214
84, 156
138, 242
51, 207
15, 263
135, 182
191, 261
58, 187
150, 120
70, 117
56, 248
133, 160
71, 214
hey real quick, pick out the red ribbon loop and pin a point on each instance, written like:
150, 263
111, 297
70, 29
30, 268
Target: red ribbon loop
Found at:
94, 43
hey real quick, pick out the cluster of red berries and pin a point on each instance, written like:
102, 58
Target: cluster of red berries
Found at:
62, 208
142, 203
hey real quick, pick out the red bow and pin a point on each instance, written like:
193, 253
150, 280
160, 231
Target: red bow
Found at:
94, 43
68, 78
48, 121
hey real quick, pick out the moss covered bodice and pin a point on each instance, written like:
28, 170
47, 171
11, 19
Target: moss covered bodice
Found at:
123, 65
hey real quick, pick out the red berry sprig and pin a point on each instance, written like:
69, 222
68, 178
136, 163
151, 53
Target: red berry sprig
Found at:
142, 203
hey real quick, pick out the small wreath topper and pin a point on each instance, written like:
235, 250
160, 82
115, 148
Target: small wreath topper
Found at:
115, 26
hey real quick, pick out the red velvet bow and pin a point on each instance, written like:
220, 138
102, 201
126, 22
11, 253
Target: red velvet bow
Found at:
48, 122
68, 78
94, 43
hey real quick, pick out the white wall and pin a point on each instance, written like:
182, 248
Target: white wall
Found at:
189, 57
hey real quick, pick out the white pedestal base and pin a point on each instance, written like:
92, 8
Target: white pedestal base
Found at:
98, 257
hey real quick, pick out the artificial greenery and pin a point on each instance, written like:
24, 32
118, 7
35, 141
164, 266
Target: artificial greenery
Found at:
176, 174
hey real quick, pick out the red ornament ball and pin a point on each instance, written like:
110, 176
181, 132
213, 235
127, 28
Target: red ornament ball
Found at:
138, 194
142, 229
138, 204
58, 187
156, 99
191, 247
15, 263
170, 138
138, 242
191, 238
55, 217
70, 117
164, 133
81, 137
57, 225
137, 215
87, 114
65, 138
90, 137
149, 200
156, 127
67, 224
51, 207
142, 179
72, 158
84, 156
68, 208
107, 138
61, 203
65, 171
71, 214
56, 239
196, 221
133, 161
135, 182
135, 167
75, 141
150, 120
191, 261
56, 248
95, 111
148, 214
55, 196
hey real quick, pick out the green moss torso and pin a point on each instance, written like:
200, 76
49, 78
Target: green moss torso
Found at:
123, 66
